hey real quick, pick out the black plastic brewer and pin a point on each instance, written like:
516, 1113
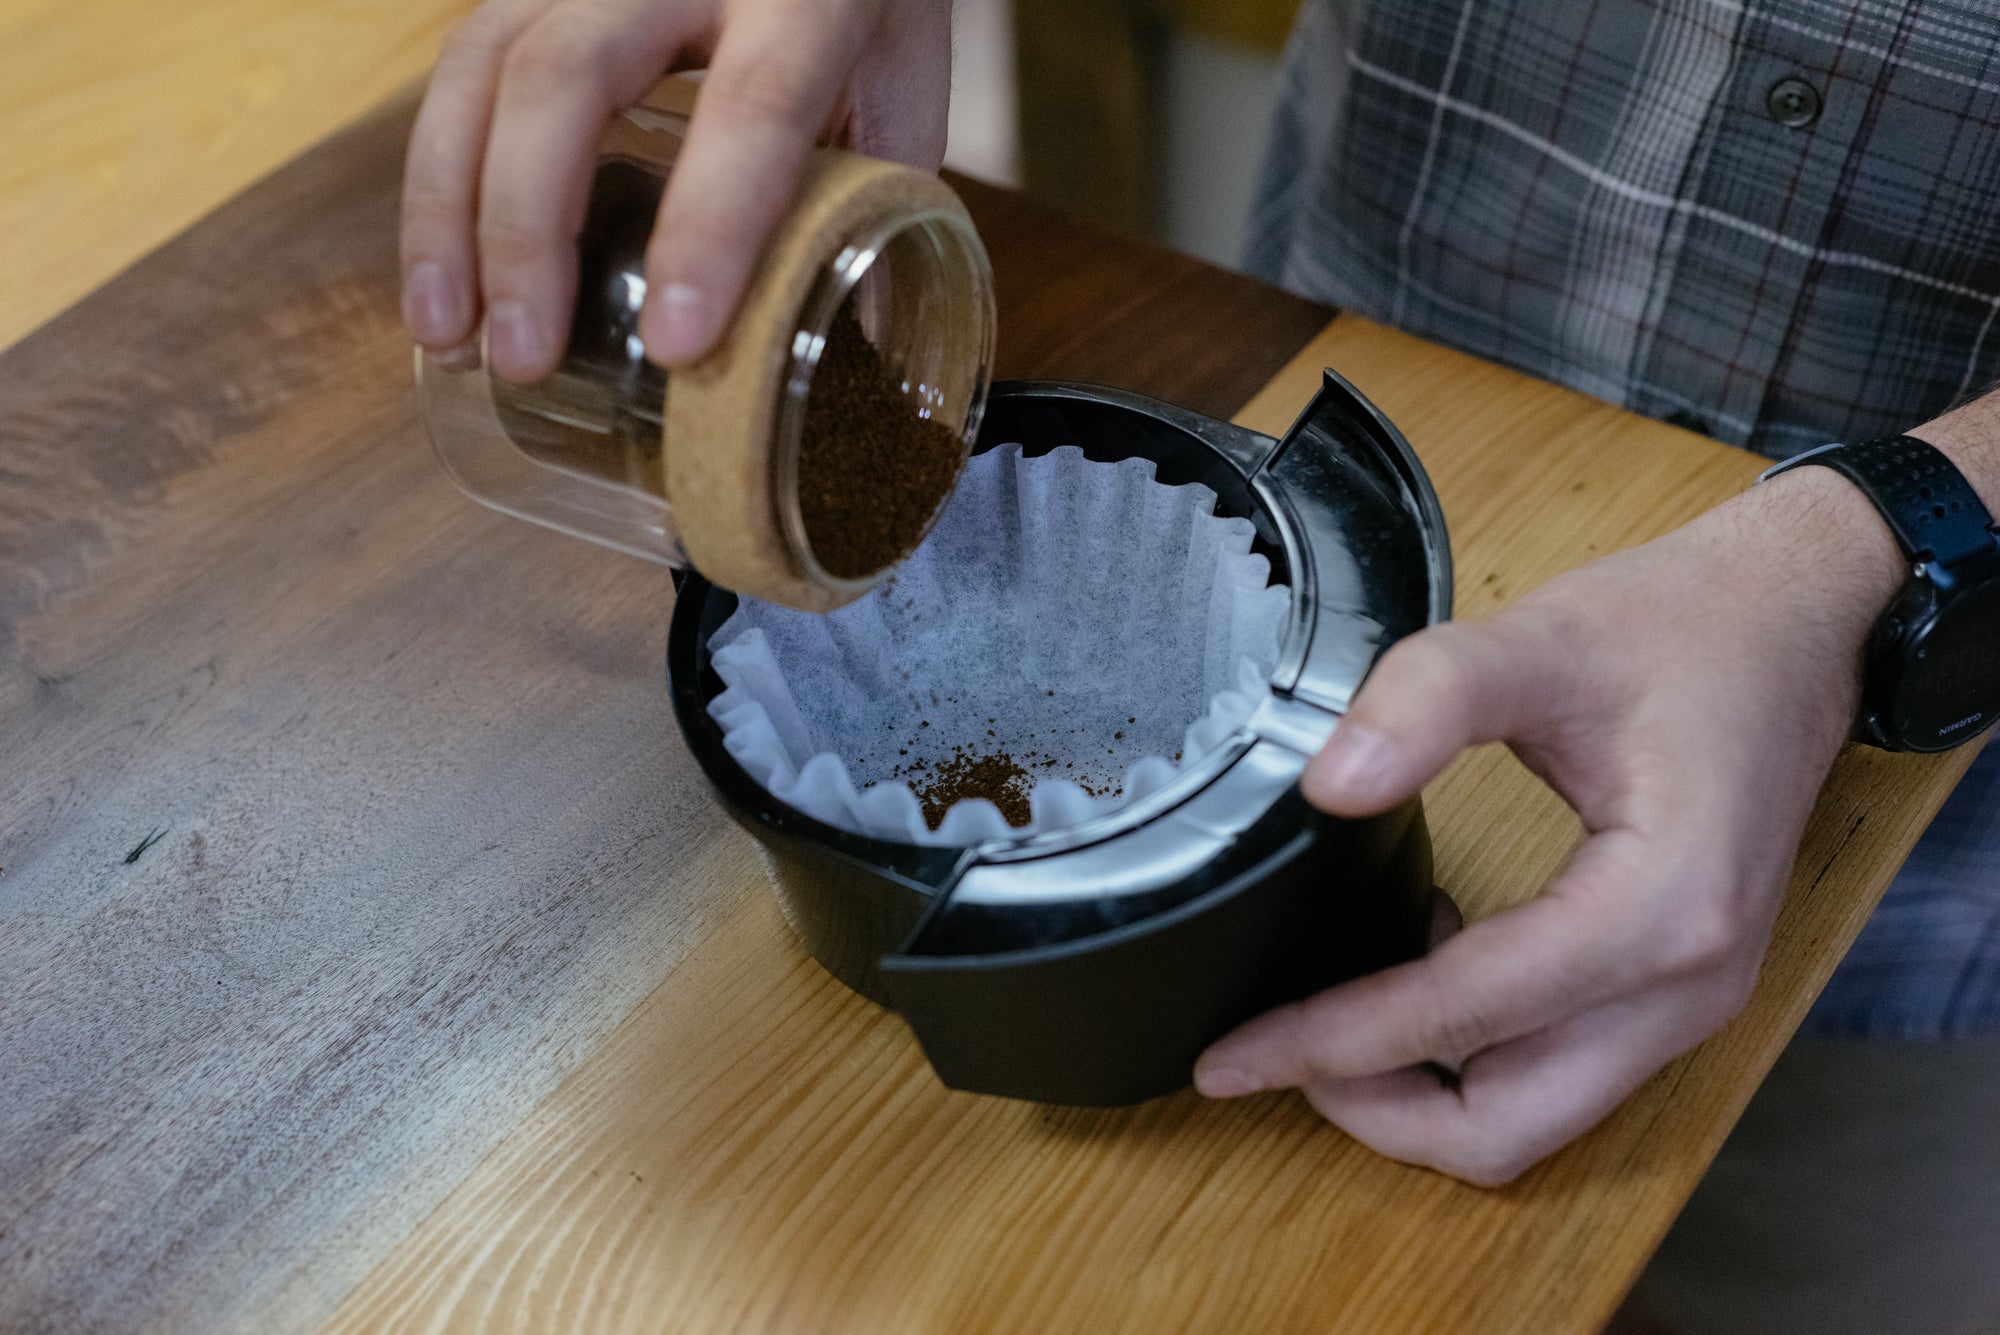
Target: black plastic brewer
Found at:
1091, 965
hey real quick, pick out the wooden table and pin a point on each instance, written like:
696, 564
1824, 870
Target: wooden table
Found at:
123, 121
371, 955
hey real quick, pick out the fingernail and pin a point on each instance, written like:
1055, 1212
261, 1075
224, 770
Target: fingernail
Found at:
1355, 764
678, 325
1224, 1082
512, 339
430, 306
464, 357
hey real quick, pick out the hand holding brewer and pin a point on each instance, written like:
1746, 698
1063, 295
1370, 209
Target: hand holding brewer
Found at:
1686, 698
501, 158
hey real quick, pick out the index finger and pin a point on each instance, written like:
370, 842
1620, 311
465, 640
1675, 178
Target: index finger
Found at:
1514, 1105
441, 174
1571, 948
560, 84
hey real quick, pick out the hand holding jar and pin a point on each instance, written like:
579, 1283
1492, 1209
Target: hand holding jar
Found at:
500, 164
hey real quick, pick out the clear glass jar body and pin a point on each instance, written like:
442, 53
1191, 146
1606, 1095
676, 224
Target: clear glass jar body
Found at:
581, 450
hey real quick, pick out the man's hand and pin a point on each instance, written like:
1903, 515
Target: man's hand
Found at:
500, 162
1686, 698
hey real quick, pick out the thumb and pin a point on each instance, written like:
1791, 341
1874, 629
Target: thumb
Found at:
1431, 696
766, 97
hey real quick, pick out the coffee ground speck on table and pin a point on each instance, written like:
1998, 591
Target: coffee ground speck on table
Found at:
871, 471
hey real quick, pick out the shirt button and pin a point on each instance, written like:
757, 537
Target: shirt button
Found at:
1793, 102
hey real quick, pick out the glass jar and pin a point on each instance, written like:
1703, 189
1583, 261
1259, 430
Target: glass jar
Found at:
583, 449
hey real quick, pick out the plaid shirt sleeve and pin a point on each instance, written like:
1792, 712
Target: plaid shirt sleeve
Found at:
1773, 221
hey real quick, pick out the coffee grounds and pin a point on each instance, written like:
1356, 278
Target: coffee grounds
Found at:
1002, 778
997, 777
871, 471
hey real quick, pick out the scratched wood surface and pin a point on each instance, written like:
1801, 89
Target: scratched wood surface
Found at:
370, 956
338, 816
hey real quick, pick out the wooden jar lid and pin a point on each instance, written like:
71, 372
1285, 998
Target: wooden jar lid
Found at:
721, 414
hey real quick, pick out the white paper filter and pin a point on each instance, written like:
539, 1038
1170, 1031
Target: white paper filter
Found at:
1101, 628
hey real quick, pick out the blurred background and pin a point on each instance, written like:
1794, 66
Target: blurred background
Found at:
122, 121
1147, 114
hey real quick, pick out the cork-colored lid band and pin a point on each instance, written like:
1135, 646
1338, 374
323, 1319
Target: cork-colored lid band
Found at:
722, 413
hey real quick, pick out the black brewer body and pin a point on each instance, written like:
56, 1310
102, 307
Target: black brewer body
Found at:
1092, 966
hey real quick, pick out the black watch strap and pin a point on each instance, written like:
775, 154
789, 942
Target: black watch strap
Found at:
1926, 501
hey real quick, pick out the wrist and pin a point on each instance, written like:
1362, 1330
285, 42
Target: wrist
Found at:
1827, 544
1933, 513
1812, 568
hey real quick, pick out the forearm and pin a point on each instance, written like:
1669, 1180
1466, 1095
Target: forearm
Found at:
1970, 437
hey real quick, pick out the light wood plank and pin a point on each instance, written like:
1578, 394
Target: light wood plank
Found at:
122, 121
757, 1149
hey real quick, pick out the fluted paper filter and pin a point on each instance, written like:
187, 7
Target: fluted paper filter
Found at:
1093, 626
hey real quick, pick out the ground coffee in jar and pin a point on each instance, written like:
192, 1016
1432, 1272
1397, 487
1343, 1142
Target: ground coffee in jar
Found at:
700, 467
872, 471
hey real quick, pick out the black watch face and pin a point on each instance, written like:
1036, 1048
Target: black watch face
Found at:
1950, 690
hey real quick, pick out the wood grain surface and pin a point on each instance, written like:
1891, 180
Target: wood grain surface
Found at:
372, 957
706, 1169
338, 816
122, 121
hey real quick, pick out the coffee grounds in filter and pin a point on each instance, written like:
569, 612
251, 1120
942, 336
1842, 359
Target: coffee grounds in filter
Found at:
986, 769
1000, 777
997, 777
871, 471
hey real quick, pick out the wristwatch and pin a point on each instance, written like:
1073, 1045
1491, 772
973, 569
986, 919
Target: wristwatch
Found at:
1932, 664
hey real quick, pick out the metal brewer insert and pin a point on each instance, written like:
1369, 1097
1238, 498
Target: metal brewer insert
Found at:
1091, 965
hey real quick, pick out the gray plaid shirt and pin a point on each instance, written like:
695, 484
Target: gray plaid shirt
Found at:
1773, 221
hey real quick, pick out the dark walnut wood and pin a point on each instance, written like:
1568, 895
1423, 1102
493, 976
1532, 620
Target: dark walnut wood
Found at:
338, 815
